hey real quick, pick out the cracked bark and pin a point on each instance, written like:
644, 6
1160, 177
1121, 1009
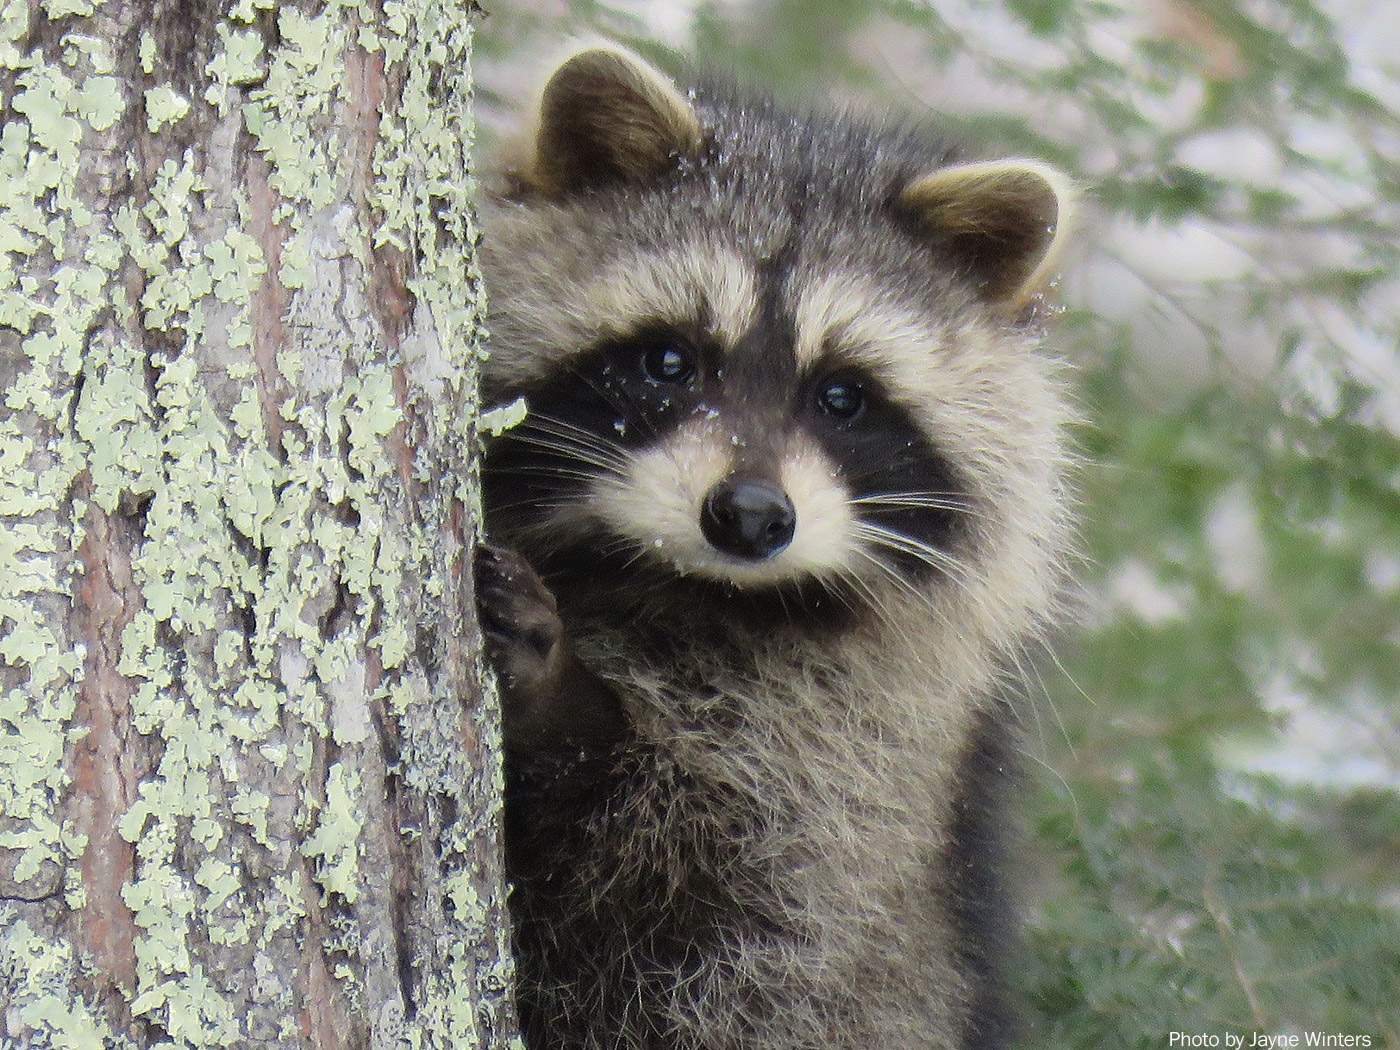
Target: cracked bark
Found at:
248, 773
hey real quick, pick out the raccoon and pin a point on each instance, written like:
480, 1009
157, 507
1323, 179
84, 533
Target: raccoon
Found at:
787, 500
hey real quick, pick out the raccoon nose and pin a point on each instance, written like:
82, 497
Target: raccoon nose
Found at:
748, 518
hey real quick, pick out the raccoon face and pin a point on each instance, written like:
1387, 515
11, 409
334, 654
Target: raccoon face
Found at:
759, 355
732, 461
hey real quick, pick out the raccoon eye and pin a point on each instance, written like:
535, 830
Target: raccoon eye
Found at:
840, 399
672, 361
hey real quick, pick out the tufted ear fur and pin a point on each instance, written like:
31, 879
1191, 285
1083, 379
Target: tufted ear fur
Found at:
1003, 219
606, 115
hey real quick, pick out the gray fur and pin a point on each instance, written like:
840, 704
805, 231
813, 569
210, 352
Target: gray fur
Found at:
767, 858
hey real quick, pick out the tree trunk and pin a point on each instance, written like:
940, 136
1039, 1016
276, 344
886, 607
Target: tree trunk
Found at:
249, 786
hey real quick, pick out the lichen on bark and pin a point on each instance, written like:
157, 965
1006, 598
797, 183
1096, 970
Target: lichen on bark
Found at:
248, 780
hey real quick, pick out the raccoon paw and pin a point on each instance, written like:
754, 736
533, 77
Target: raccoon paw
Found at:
519, 619
550, 701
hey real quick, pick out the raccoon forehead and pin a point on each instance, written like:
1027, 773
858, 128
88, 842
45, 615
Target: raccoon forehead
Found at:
848, 315
690, 283
548, 312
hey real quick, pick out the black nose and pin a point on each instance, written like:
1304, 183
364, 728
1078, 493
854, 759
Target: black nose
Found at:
748, 518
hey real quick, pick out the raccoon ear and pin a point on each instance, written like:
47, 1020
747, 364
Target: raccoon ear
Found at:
607, 115
1004, 219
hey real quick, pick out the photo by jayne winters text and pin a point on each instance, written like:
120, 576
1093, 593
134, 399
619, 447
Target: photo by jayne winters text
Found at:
1264, 1041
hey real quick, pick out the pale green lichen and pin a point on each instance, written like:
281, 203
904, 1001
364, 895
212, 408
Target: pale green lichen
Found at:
496, 421
146, 52
333, 842
59, 8
100, 102
45, 978
418, 160
241, 62
212, 490
164, 105
287, 115
43, 321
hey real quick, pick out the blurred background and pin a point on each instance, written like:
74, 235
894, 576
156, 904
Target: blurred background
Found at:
1213, 748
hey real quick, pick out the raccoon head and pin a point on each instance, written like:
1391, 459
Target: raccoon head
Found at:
769, 351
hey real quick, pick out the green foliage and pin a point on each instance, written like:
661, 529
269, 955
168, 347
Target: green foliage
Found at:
1217, 825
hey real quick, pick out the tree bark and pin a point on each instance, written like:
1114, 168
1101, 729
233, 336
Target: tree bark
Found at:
249, 778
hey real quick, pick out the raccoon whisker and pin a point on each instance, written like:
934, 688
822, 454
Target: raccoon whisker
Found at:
929, 555
782, 600
636, 557
926, 553
951, 499
621, 544
573, 447
891, 619
1054, 711
563, 501
567, 438
843, 581
920, 597
1025, 668
573, 433
627, 412
551, 471
919, 500
872, 597
559, 424
565, 451
1023, 661
878, 601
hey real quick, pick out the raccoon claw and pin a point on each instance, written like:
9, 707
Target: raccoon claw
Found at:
519, 617
550, 701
